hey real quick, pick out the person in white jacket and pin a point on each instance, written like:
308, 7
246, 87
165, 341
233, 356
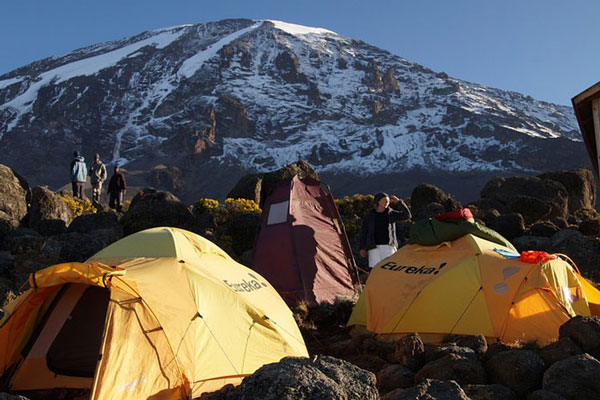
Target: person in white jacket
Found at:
78, 175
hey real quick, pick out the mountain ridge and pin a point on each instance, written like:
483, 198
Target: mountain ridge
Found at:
255, 95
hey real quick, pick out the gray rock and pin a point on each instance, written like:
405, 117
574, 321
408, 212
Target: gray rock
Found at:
369, 362
508, 225
428, 390
583, 250
151, 208
394, 376
487, 204
13, 194
429, 211
560, 222
584, 332
8, 226
453, 367
32, 253
520, 370
303, 378
409, 351
532, 209
424, 195
377, 347
477, 343
544, 229
49, 214
436, 352
90, 222
577, 378
489, 392
248, 187
590, 227
580, 185
525, 243
544, 395
78, 247
545, 190
559, 350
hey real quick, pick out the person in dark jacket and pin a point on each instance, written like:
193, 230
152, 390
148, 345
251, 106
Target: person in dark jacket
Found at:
116, 189
78, 175
378, 231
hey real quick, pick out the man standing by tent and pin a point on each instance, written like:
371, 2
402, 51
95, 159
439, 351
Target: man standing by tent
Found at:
378, 230
78, 175
97, 178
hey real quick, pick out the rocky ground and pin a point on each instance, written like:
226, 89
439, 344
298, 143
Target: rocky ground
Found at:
552, 212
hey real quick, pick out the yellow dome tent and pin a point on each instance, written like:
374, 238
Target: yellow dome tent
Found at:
181, 318
471, 286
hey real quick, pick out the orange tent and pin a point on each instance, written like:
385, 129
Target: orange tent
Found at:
471, 286
160, 314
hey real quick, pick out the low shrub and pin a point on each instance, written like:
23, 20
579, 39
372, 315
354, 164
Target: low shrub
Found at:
358, 204
241, 206
78, 207
587, 213
205, 205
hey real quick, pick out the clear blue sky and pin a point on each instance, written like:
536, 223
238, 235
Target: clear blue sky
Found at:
548, 49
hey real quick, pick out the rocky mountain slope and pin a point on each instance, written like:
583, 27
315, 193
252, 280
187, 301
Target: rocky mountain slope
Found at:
193, 107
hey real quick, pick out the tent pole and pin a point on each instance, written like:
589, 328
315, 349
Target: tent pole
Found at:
345, 242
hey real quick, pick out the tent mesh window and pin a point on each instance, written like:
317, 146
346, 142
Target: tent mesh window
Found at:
76, 348
278, 213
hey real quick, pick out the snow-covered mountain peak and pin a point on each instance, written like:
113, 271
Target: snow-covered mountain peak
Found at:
259, 94
299, 30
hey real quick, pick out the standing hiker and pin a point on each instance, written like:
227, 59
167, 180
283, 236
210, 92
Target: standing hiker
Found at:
78, 175
116, 190
97, 178
378, 231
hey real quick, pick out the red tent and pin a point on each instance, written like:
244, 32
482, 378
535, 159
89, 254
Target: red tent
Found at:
302, 248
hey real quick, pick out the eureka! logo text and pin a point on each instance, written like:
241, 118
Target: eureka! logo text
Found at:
412, 270
246, 285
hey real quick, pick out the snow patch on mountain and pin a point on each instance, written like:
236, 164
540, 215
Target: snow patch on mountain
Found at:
295, 30
11, 81
193, 64
23, 103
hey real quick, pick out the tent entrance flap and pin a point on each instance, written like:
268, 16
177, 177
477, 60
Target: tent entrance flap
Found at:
66, 349
75, 350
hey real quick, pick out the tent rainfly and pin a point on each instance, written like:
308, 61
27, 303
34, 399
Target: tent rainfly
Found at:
160, 314
302, 248
472, 286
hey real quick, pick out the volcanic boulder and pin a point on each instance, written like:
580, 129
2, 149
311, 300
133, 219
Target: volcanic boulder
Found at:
304, 378
49, 214
508, 190
151, 208
574, 378
520, 370
580, 186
